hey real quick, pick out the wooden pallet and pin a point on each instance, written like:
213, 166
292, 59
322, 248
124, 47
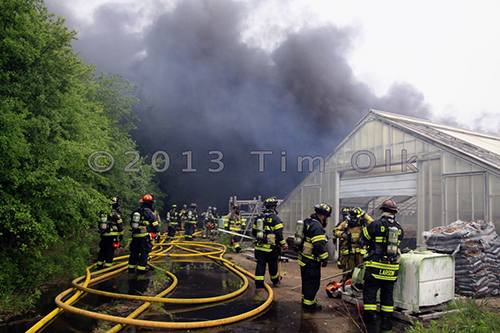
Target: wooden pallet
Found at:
424, 314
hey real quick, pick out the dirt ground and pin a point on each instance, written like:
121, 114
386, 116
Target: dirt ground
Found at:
337, 315
286, 313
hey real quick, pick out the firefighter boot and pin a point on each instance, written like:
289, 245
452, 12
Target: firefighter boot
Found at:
259, 284
312, 307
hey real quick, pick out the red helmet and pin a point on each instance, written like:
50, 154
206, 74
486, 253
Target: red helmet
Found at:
389, 206
146, 198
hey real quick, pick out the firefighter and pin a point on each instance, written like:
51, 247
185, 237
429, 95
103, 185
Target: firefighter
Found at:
182, 216
349, 235
145, 228
345, 212
313, 254
383, 237
269, 243
190, 223
111, 234
173, 217
209, 223
234, 222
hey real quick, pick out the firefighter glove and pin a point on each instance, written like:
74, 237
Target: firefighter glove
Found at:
324, 262
345, 235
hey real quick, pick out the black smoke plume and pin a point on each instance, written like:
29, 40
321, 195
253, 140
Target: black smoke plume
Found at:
203, 90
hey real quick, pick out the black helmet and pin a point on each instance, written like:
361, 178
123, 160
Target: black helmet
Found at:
115, 202
345, 210
389, 206
323, 208
271, 202
356, 212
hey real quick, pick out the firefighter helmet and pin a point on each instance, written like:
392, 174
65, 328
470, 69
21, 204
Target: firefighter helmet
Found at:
147, 198
323, 208
173, 206
271, 202
345, 210
193, 205
389, 206
356, 212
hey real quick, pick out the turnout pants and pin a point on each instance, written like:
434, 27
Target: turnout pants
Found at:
311, 276
349, 262
188, 230
266, 258
139, 253
106, 251
370, 288
172, 229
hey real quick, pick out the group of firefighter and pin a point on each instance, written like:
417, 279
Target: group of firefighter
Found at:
145, 227
362, 240
374, 243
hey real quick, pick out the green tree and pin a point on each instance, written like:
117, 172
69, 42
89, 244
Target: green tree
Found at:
55, 112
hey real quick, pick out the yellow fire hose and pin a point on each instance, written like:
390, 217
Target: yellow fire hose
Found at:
95, 277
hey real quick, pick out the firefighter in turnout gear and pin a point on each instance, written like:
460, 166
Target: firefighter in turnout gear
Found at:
111, 229
209, 223
349, 234
313, 254
345, 212
145, 228
234, 222
173, 217
191, 220
182, 216
268, 231
383, 237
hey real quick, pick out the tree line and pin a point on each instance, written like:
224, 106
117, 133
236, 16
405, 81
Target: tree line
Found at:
55, 112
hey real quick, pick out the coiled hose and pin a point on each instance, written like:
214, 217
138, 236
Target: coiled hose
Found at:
161, 249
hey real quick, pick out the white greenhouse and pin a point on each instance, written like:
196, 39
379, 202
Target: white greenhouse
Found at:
437, 174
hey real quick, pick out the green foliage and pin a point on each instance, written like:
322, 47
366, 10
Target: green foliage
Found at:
472, 316
55, 112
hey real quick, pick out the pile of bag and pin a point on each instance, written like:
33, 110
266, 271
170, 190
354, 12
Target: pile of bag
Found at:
475, 246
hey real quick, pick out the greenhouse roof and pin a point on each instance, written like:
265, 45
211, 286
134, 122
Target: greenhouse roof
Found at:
480, 147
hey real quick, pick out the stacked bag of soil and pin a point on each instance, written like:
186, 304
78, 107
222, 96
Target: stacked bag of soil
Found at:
475, 245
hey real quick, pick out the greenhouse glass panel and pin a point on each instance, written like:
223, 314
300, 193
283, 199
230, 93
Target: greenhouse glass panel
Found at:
464, 197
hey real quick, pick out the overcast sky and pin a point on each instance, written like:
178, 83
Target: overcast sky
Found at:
447, 49
292, 77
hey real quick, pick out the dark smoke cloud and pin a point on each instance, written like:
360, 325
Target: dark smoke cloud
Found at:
210, 91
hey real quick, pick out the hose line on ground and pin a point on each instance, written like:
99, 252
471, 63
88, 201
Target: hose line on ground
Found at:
216, 253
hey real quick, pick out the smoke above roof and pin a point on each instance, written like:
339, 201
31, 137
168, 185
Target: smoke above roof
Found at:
207, 92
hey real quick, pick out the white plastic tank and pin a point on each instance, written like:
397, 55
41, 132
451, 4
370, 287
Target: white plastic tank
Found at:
425, 279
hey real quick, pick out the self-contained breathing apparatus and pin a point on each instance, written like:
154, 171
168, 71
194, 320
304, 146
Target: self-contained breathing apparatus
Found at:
105, 227
299, 233
103, 223
299, 239
262, 237
392, 242
386, 252
260, 230
137, 224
